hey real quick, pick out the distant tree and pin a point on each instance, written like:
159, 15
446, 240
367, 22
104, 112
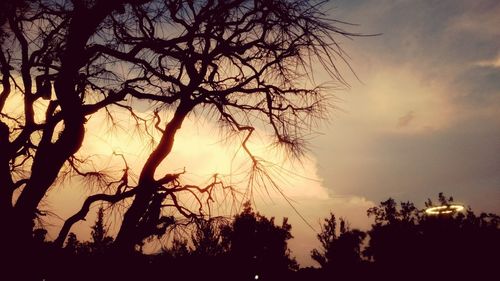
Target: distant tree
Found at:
178, 249
340, 252
404, 241
39, 235
100, 241
327, 237
257, 246
388, 212
395, 240
442, 199
207, 237
72, 244
473, 238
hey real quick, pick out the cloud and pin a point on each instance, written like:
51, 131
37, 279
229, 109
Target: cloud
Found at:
476, 18
406, 119
199, 149
494, 62
440, 36
438, 60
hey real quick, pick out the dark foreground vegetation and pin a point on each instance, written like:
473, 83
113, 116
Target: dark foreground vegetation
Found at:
403, 244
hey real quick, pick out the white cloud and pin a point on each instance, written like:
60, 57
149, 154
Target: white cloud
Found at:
494, 62
199, 149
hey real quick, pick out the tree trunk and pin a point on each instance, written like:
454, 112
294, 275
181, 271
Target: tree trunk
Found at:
50, 157
6, 189
130, 235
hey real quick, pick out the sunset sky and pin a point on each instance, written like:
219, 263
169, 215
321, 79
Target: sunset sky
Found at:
423, 118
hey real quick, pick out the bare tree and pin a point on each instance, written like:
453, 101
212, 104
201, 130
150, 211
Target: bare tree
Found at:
246, 64
242, 61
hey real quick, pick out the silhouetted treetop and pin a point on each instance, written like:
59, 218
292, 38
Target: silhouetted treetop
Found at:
207, 237
451, 245
257, 245
340, 252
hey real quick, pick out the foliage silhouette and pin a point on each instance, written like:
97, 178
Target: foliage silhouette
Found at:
100, 241
208, 236
458, 246
403, 242
340, 254
406, 243
257, 246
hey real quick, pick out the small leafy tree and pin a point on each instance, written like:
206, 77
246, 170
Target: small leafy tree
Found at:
207, 237
72, 244
100, 241
340, 251
179, 249
257, 246
39, 235
394, 235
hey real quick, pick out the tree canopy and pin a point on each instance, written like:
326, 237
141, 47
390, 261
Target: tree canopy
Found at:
340, 252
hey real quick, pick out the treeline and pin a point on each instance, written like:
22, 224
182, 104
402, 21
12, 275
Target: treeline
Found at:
404, 243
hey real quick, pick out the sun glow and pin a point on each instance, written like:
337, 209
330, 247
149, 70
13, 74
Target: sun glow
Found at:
202, 150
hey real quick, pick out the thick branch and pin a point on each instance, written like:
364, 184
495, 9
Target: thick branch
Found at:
80, 215
5, 70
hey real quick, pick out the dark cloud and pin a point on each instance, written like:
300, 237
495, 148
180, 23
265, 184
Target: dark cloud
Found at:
434, 32
444, 43
478, 87
463, 161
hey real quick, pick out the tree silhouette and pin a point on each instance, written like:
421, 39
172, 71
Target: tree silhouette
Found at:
72, 244
395, 241
250, 245
406, 242
100, 241
207, 237
461, 234
340, 254
179, 249
236, 59
258, 247
242, 63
